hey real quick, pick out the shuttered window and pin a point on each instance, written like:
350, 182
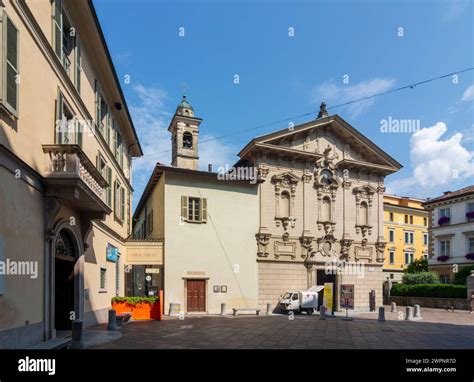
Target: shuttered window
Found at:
10, 66
122, 203
68, 129
102, 113
78, 65
193, 209
108, 196
58, 28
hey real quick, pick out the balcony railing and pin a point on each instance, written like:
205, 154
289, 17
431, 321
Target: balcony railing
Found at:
70, 162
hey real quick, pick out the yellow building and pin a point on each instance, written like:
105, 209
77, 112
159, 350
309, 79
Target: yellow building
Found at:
406, 233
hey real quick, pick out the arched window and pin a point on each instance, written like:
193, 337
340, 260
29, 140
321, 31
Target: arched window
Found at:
285, 205
363, 214
326, 210
187, 140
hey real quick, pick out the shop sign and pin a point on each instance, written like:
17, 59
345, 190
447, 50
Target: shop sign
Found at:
112, 253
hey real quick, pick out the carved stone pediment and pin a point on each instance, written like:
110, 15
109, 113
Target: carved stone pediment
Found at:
286, 179
364, 192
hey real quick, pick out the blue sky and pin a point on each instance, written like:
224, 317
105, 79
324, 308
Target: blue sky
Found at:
283, 76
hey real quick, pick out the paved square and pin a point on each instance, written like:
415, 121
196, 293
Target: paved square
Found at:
437, 330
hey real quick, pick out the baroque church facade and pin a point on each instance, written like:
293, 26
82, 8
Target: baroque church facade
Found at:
321, 187
317, 210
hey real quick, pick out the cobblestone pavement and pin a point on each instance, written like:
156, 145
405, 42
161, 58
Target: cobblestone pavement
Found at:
437, 330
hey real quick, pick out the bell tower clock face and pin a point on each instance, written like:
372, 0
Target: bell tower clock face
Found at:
326, 176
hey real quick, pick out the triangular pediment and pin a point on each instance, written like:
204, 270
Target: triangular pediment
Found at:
286, 176
349, 146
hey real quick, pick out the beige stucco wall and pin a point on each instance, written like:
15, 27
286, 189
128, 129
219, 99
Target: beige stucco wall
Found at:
22, 210
212, 250
21, 226
98, 299
38, 90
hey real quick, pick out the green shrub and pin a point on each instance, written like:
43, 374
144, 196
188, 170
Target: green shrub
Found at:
429, 290
460, 277
417, 266
421, 278
135, 300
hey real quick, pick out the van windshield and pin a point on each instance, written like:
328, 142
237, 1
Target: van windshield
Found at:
287, 296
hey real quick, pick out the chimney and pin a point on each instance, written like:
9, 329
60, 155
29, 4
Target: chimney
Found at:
447, 192
209, 167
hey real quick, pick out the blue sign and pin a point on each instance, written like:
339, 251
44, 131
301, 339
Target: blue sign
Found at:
112, 253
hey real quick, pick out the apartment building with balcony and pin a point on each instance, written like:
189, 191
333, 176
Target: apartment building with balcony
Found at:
66, 147
451, 232
406, 234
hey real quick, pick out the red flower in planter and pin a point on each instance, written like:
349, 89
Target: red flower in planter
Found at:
470, 256
443, 220
443, 258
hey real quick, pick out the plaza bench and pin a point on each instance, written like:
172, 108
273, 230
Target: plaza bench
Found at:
237, 310
123, 318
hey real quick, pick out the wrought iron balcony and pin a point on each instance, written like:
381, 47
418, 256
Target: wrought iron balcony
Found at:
71, 176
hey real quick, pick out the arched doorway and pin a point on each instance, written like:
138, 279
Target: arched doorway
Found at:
65, 258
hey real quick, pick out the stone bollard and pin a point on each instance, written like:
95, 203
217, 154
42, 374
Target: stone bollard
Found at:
322, 313
394, 307
223, 309
417, 312
381, 314
269, 309
77, 342
112, 325
409, 313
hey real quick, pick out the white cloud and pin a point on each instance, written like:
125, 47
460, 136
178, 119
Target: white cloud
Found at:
468, 94
215, 152
335, 94
435, 162
453, 9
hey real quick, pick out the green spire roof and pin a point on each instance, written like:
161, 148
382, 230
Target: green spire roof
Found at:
184, 104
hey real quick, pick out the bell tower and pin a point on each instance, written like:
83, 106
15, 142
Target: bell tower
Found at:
184, 129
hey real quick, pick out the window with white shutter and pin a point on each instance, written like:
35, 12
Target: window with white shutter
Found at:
10, 66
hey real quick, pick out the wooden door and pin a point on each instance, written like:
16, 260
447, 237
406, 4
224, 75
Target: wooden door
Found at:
196, 295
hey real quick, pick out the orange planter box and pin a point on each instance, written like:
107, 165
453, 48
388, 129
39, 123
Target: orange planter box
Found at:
143, 311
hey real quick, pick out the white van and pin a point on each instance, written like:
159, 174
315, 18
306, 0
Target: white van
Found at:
300, 301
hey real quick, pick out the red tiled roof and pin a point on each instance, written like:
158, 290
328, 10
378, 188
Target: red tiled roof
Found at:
451, 195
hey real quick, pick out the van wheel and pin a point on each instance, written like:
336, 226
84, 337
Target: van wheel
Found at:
309, 312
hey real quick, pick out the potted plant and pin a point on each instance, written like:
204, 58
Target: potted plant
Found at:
141, 308
470, 215
443, 220
470, 256
443, 258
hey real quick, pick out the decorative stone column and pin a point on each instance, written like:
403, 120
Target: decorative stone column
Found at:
263, 239
306, 241
345, 246
380, 249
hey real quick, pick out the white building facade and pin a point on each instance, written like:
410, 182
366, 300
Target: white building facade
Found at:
451, 232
